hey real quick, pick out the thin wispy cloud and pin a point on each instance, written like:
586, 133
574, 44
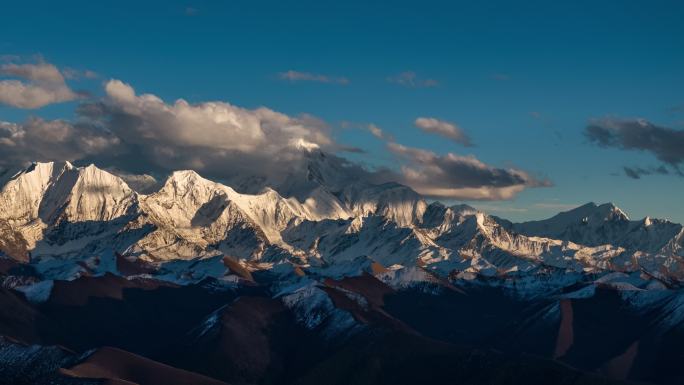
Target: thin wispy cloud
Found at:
638, 172
555, 206
75, 74
297, 76
411, 80
445, 129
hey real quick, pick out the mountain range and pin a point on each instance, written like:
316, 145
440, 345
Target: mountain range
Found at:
312, 281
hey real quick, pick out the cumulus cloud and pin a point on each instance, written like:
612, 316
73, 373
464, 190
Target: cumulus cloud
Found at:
215, 125
665, 143
412, 80
33, 85
56, 140
460, 177
296, 76
217, 139
446, 129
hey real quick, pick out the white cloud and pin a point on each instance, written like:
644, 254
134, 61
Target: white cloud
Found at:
446, 129
378, 132
216, 126
41, 84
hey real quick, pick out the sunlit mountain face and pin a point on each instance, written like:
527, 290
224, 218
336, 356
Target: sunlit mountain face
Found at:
293, 193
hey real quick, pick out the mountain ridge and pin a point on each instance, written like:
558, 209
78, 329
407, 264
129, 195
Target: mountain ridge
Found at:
86, 216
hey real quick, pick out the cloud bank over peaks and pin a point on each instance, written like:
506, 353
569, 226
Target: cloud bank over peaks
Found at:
137, 135
57, 140
216, 138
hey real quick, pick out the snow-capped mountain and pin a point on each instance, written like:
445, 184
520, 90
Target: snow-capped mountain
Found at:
86, 218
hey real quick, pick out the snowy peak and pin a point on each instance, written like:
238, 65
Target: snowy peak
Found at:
595, 225
185, 181
92, 194
186, 196
48, 191
47, 194
608, 212
392, 201
20, 197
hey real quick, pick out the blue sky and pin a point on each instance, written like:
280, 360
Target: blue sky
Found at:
522, 80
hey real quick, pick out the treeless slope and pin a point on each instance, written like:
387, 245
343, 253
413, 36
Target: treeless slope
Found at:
366, 285
121, 367
18, 318
373, 291
79, 291
253, 340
